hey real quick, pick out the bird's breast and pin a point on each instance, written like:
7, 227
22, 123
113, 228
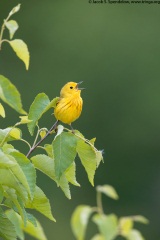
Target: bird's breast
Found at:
68, 109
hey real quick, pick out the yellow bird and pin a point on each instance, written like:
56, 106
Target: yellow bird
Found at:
69, 105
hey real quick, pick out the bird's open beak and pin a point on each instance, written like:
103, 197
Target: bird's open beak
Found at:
78, 86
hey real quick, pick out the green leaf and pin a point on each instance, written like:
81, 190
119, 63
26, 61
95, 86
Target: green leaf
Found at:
46, 165
5, 161
31, 229
36, 110
135, 235
7, 229
4, 135
10, 95
108, 191
79, 221
52, 104
37, 232
7, 178
42, 133
12, 26
92, 141
15, 133
99, 157
21, 50
9, 134
1, 194
24, 120
14, 10
13, 201
64, 148
28, 170
32, 219
98, 153
98, 237
8, 148
49, 150
141, 219
41, 203
126, 224
12, 216
63, 183
18, 171
70, 174
107, 225
88, 158
2, 111
40, 105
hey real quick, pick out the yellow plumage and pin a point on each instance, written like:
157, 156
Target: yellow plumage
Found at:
69, 106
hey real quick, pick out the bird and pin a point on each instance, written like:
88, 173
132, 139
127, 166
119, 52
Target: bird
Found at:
69, 105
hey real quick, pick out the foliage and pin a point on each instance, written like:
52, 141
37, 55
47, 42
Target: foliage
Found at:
109, 225
19, 192
18, 45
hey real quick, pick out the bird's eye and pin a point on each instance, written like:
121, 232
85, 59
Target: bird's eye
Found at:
71, 87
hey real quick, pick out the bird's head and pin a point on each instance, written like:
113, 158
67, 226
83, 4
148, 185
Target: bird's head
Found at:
71, 89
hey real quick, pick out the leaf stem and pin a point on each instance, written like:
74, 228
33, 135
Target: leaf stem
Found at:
99, 203
3, 141
84, 139
4, 205
41, 147
23, 140
40, 141
95, 209
2, 30
1, 34
36, 137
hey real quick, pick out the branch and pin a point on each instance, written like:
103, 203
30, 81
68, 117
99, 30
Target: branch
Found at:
40, 141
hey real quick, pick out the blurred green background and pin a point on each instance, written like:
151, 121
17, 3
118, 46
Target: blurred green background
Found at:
115, 50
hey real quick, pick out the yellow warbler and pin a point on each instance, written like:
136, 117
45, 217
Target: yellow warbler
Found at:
69, 105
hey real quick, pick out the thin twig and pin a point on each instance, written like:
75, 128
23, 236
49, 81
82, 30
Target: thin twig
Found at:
40, 141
